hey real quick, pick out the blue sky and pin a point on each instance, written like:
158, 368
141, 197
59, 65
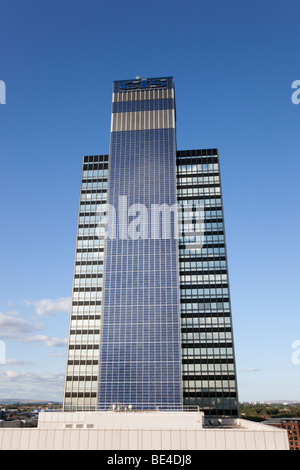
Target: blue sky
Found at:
233, 64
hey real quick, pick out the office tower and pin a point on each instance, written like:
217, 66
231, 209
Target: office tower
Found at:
208, 362
151, 321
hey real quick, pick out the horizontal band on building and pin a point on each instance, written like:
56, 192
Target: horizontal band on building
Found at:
82, 378
214, 285
143, 105
215, 300
201, 344
197, 185
84, 332
90, 250
95, 180
87, 289
206, 329
89, 263
95, 166
143, 120
199, 360
213, 393
88, 276
141, 95
95, 158
197, 153
208, 376
86, 316
88, 303
80, 395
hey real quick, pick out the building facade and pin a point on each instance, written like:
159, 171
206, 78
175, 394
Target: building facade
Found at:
208, 359
292, 426
151, 324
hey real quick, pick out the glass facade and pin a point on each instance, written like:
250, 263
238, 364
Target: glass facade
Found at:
140, 354
151, 319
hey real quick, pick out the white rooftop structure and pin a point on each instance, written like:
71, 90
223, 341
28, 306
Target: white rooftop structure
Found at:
141, 431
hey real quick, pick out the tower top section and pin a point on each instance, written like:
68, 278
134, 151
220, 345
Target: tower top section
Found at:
141, 84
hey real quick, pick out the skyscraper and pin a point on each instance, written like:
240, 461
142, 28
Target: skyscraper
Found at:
151, 321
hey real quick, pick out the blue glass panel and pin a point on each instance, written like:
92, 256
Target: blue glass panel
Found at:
140, 352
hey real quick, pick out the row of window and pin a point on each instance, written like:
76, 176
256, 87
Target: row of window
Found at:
202, 228
88, 311
204, 240
90, 242
95, 158
197, 165
189, 240
82, 370
208, 368
92, 323
184, 192
83, 353
185, 223
84, 339
94, 185
88, 282
197, 168
203, 321
200, 211
209, 384
203, 306
203, 292
96, 283
88, 269
88, 324
188, 265
185, 212
187, 305
191, 202
94, 251
197, 180
83, 386
183, 160
207, 352
87, 296
204, 278
97, 173
207, 336
92, 206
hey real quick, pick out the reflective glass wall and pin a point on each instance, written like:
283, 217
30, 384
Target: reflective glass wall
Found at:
140, 352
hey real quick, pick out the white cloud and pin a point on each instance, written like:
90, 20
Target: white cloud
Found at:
47, 340
16, 362
11, 374
13, 312
32, 386
14, 327
47, 307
